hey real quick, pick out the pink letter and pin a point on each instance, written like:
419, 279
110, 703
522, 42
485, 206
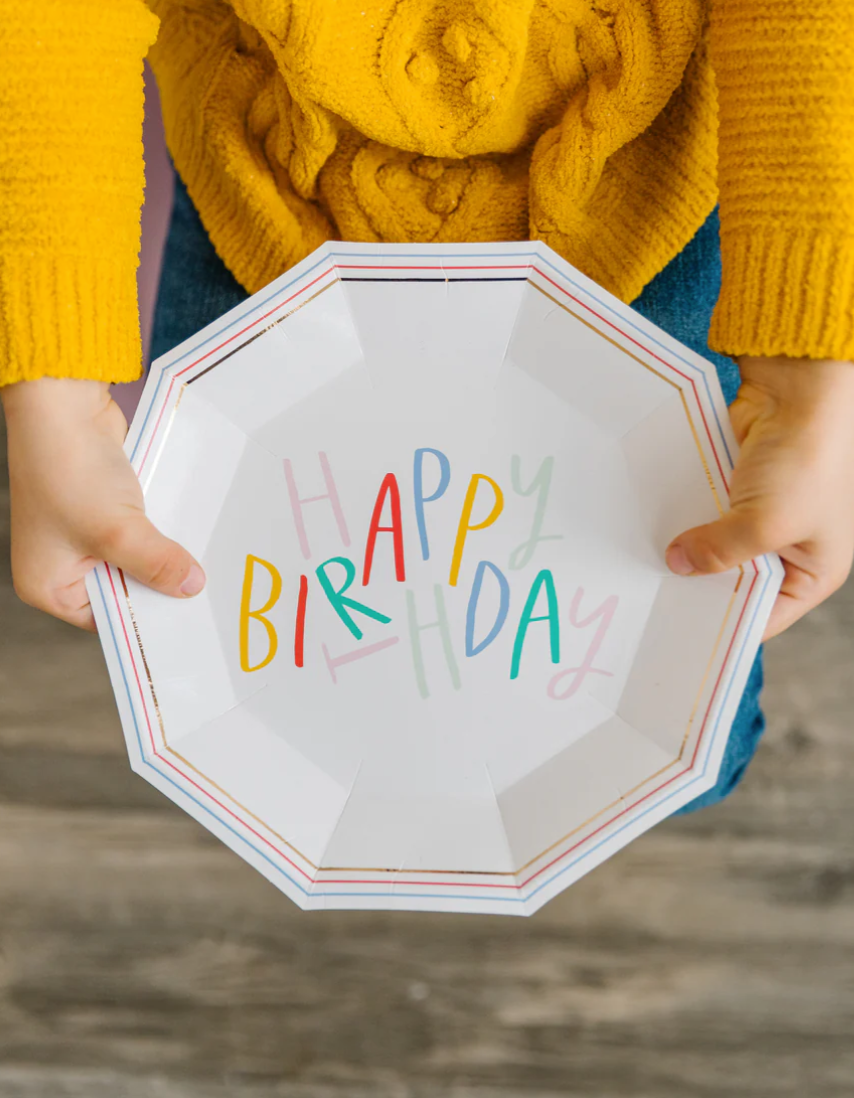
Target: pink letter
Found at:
606, 612
356, 654
297, 503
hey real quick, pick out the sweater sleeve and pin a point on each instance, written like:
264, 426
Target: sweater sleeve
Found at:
785, 76
71, 186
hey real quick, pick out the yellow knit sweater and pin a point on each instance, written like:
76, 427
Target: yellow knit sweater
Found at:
607, 129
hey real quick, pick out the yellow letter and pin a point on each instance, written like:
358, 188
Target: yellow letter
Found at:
465, 516
246, 613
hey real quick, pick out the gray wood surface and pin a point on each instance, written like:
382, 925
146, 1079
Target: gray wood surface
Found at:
141, 959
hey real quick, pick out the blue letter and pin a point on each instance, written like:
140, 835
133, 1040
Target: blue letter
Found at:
503, 607
420, 498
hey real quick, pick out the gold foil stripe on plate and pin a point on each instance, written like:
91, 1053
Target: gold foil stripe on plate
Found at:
164, 436
273, 323
652, 370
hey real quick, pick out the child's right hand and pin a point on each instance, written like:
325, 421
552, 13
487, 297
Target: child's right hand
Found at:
76, 500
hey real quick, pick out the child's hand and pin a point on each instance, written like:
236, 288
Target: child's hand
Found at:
76, 500
792, 490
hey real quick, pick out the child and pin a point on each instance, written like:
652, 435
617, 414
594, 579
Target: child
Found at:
607, 132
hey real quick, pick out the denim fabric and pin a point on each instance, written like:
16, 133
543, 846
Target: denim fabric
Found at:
680, 300
196, 288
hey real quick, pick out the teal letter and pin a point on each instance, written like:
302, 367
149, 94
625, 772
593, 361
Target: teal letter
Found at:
542, 579
336, 598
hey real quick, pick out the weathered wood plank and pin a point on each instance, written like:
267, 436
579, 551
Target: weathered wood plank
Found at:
141, 959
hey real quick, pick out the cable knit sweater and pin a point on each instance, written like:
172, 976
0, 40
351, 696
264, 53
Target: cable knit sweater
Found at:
607, 128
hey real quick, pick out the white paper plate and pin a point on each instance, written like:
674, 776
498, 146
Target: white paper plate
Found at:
449, 758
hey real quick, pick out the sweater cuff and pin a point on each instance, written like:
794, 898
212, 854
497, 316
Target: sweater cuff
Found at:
785, 293
68, 316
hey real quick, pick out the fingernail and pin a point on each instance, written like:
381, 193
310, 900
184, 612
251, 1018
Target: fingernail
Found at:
677, 561
194, 582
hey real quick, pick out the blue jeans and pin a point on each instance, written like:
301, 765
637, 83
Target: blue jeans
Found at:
196, 288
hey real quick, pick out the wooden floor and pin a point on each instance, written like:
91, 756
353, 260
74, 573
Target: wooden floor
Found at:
141, 959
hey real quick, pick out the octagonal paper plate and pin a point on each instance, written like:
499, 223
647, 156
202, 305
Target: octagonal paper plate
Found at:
439, 662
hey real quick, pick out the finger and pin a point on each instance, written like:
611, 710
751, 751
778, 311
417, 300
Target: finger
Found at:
82, 618
801, 591
70, 604
138, 548
736, 537
786, 611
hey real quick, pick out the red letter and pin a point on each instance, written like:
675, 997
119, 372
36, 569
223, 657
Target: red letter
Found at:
299, 631
388, 487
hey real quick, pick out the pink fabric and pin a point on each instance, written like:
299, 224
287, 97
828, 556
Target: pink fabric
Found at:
159, 192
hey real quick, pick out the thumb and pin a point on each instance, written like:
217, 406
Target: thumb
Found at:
138, 548
736, 537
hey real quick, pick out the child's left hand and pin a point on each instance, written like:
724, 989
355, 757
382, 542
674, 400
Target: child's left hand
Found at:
792, 490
